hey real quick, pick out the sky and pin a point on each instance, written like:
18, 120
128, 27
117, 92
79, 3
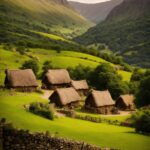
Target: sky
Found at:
89, 1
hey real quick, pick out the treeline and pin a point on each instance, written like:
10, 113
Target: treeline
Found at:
106, 77
102, 77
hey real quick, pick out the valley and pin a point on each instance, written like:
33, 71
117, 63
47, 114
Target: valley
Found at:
125, 31
75, 71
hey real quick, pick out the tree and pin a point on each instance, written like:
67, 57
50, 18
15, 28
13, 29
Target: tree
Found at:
141, 120
80, 72
22, 50
106, 77
143, 95
46, 66
31, 64
134, 86
137, 75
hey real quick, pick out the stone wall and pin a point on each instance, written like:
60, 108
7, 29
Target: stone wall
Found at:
12, 139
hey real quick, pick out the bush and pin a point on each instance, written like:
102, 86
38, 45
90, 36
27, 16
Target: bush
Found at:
141, 120
137, 75
42, 109
31, 64
8, 47
22, 50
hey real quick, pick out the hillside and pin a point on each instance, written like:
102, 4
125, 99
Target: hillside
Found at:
64, 59
125, 31
95, 12
19, 17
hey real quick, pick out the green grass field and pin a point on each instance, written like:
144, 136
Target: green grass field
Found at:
100, 134
65, 59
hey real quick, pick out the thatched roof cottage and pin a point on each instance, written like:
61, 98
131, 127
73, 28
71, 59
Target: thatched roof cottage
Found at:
81, 87
56, 78
65, 97
99, 102
125, 102
21, 80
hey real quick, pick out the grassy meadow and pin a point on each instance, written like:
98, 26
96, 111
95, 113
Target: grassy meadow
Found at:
100, 134
64, 59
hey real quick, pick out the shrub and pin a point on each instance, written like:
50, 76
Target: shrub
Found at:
8, 47
42, 109
22, 50
31, 64
141, 120
58, 50
137, 75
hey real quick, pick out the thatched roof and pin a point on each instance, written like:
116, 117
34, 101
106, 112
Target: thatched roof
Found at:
20, 78
66, 95
80, 85
127, 99
101, 98
58, 76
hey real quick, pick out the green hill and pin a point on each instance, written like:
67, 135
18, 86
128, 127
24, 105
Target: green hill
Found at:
125, 31
64, 59
19, 17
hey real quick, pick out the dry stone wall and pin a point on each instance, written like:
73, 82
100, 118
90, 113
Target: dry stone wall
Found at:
12, 139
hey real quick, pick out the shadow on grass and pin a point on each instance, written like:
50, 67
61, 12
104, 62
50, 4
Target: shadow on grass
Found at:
139, 133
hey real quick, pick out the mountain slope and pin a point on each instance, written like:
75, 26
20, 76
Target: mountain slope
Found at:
95, 12
125, 31
18, 17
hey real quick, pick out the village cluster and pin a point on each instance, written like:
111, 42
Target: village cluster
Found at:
67, 92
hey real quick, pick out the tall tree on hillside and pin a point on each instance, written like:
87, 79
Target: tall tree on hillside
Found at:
46, 66
143, 95
106, 77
